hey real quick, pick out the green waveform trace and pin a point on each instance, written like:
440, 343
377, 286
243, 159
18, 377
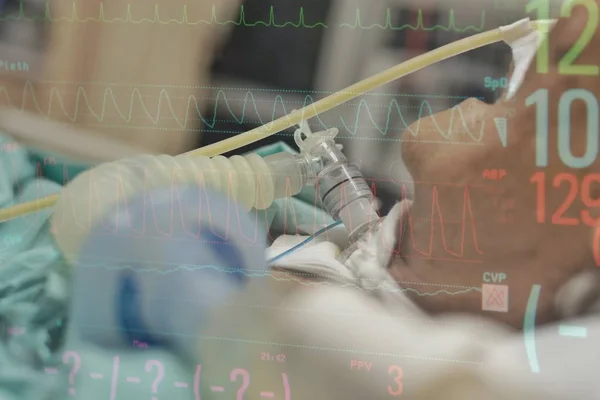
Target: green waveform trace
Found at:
419, 26
249, 103
241, 21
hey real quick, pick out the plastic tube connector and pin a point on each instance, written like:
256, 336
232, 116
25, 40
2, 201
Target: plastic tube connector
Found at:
290, 173
341, 186
250, 180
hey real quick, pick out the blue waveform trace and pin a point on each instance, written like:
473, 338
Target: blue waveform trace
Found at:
424, 104
193, 111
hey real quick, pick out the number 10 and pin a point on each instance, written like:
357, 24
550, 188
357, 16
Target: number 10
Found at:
540, 98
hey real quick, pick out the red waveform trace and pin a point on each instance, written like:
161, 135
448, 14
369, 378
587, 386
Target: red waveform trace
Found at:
435, 210
286, 205
234, 209
149, 209
260, 217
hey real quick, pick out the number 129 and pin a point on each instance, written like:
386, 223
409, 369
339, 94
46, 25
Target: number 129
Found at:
585, 192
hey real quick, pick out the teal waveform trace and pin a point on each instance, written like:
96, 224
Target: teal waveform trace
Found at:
248, 89
82, 102
271, 22
456, 111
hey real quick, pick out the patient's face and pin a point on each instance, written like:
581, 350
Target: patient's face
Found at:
525, 212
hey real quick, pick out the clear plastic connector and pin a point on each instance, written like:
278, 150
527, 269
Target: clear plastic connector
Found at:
345, 194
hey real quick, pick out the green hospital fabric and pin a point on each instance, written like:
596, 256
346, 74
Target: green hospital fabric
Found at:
33, 287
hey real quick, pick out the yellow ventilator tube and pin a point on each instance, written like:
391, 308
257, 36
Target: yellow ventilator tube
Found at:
414, 64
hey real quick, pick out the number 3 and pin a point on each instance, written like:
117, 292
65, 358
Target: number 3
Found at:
398, 379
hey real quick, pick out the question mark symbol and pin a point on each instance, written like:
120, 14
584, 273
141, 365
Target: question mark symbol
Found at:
159, 376
76, 365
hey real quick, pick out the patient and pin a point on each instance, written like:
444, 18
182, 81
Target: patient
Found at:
527, 251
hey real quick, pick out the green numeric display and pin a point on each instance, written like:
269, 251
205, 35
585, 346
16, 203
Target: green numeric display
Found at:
566, 65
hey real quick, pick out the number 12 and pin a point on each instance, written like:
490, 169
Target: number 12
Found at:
565, 66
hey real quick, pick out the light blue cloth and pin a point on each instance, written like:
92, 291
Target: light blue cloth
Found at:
33, 290
39, 352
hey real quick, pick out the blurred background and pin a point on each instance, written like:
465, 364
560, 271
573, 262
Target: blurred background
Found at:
169, 76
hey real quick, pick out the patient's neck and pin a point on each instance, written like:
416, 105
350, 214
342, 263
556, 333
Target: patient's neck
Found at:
437, 289
455, 284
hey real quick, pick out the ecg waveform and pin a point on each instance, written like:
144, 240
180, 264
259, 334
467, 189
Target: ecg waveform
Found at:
234, 211
111, 109
187, 19
388, 25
